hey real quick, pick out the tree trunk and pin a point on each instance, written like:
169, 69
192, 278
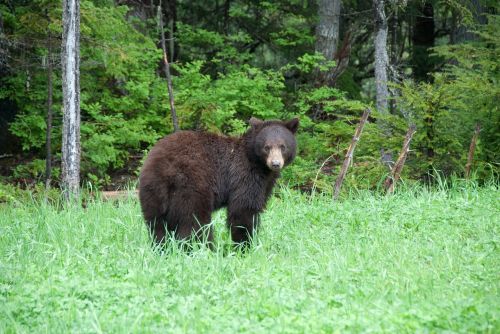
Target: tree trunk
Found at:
48, 139
394, 58
394, 37
327, 32
71, 98
167, 74
169, 9
381, 58
171, 40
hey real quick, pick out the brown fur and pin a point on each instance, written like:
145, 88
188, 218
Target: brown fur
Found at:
187, 175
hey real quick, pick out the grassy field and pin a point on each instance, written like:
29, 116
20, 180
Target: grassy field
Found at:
420, 261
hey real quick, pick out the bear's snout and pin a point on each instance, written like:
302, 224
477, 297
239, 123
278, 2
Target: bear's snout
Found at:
275, 159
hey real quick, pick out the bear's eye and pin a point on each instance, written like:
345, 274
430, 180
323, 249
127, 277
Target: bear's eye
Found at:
282, 147
267, 148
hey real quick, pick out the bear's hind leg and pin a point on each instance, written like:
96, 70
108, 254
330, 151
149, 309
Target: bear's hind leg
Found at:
157, 230
243, 224
190, 216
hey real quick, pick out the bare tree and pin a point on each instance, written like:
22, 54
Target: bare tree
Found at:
48, 155
381, 57
394, 56
70, 58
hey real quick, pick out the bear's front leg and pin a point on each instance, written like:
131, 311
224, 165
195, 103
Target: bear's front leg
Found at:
243, 224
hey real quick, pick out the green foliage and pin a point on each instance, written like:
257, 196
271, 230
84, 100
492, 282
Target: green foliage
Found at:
346, 82
120, 98
35, 169
312, 151
13, 196
308, 63
437, 146
220, 50
332, 100
465, 93
227, 102
474, 77
121, 118
9, 193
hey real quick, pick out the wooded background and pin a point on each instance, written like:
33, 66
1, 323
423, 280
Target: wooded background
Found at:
432, 64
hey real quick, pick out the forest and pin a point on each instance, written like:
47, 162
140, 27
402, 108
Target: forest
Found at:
430, 64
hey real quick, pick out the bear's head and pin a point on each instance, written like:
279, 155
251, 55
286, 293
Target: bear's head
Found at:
273, 142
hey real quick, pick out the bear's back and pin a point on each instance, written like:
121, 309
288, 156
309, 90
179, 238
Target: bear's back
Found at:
187, 157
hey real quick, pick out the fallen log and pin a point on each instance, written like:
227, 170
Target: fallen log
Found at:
118, 194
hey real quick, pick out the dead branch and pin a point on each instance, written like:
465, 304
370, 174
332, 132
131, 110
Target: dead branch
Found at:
398, 166
349, 153
472, 148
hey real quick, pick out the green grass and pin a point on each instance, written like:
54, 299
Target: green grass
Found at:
419, 261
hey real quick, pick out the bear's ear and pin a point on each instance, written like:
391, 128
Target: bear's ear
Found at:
292, 125
254, 122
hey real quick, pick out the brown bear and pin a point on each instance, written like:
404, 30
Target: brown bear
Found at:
187, 175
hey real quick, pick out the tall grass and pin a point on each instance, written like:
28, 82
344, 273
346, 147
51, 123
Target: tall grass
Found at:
420, 261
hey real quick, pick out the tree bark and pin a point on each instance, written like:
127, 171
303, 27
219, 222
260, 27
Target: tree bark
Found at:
381, 57
172, 22
71, 98
171, 39
390, 182
167, 73
169, 10
472, 148
349, 154
393, 64
48, 137
327, 32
